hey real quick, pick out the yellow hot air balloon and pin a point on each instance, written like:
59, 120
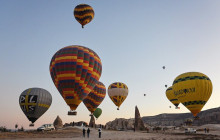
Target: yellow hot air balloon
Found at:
83, 14
193, 90
171, 97
118, 92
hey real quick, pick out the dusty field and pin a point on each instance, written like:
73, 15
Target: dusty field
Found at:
76, 134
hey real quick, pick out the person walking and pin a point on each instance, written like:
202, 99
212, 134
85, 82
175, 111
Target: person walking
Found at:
100, 132
84, 132
88, 131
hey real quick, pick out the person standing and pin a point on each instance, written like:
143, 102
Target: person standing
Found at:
100, 132
84, 132
88, 131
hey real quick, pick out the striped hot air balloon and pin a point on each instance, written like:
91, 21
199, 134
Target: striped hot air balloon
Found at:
83, 14
75, 70
118, 92
95, 97
193, 90
34, 102
171, 97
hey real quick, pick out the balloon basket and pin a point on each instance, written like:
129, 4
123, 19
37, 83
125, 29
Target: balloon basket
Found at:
31, 125
196, 118
117, 108
91, 115
72, 113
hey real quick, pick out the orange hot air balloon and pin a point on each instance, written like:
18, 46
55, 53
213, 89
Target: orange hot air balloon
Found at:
75, 70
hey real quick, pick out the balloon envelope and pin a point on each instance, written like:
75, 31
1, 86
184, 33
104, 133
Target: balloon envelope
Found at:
95, 97
171, 97
75, 70
97, 112
193, 89
34, 102
83, 14
118, 92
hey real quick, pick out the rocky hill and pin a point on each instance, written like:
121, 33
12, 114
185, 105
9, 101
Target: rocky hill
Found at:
210, 116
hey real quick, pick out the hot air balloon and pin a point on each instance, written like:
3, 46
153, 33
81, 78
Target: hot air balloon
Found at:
97, 112
193, 89
34, 102
163, 67
83, 14
95, 97
171, 97
118, 92
75, 70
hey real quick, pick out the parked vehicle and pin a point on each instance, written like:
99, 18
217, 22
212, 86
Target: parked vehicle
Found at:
46, 127
190, 130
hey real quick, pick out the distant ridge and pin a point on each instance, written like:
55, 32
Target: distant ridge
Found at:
210, 116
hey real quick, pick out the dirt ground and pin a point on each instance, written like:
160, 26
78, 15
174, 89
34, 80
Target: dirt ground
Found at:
76, 134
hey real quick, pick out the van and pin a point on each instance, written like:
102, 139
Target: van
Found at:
190, 130
46, 127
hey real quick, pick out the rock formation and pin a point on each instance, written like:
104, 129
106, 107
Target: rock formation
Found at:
58, 123
138, 123
92, 121
120, 124
211, 116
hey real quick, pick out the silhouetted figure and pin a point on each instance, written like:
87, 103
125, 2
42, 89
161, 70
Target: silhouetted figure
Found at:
88, 131
207, 130
84, 132
100, 132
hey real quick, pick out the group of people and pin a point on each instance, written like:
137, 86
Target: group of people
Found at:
88, 132
206, 130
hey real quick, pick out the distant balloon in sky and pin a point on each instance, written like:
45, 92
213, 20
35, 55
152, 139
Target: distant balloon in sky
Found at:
34, 102
95, 97
171, 97
193, 90
83, 14
163, 67
118, 92
97, 112
166, 86
144, 94
75, 70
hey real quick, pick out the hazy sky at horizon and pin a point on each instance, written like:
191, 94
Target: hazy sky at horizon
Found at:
134, 39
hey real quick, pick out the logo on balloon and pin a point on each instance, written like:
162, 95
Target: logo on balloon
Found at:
186, 91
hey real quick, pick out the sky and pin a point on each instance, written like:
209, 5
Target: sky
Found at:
133, 38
